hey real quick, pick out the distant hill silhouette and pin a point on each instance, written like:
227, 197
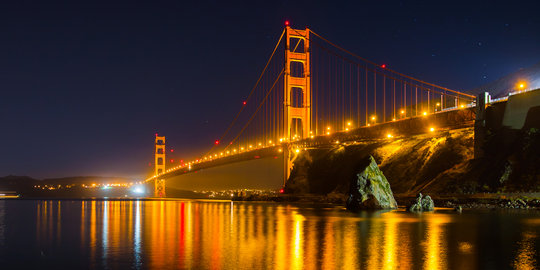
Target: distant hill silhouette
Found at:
24, 186
13, 180
508, 83
86, 180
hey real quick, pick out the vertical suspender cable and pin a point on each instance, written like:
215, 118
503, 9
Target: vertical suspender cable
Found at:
375, 96
367, 121
358, 96
384, 98
394, 101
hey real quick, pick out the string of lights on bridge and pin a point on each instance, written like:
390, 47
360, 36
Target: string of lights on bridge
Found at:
279, 143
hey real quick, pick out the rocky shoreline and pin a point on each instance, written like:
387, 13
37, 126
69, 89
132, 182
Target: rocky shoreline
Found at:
473, 201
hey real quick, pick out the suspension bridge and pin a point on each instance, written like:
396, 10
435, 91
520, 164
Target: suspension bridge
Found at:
313, 93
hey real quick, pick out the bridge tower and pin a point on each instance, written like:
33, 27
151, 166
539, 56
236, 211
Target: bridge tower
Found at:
159, 184
297, 96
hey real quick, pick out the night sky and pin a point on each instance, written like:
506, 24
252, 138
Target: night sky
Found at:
84, 87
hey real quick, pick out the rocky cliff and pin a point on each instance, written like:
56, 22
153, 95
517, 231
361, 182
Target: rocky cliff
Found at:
435, 163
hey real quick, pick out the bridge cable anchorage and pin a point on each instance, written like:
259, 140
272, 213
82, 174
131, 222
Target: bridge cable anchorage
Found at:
386, 68
250, 93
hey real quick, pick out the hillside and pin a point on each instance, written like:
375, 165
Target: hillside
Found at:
440, 163
501, 87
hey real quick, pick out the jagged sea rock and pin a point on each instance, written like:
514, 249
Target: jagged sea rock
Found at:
422, 203
370, 190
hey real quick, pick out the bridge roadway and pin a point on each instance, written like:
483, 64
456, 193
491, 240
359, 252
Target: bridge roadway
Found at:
444, 120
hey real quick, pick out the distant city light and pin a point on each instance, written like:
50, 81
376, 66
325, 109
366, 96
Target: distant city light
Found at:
139, 189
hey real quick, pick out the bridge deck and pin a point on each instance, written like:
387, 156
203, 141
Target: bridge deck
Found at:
451, 119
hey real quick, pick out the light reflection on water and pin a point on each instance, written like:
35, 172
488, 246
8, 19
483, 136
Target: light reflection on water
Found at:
217, 234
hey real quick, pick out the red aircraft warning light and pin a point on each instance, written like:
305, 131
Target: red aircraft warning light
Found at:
216, 142
383, 65
244, 103
286, 23
172, 150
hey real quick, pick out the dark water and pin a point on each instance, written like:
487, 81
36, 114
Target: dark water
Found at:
217, 235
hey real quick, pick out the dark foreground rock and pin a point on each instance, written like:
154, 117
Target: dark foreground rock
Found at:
422, 203
370, 190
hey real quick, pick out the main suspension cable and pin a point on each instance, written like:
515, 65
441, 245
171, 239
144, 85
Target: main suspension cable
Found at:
390, 70
250, 93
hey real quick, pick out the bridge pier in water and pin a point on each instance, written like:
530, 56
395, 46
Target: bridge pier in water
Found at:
159, 188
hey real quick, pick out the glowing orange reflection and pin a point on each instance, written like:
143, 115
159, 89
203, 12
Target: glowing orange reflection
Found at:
225, 234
